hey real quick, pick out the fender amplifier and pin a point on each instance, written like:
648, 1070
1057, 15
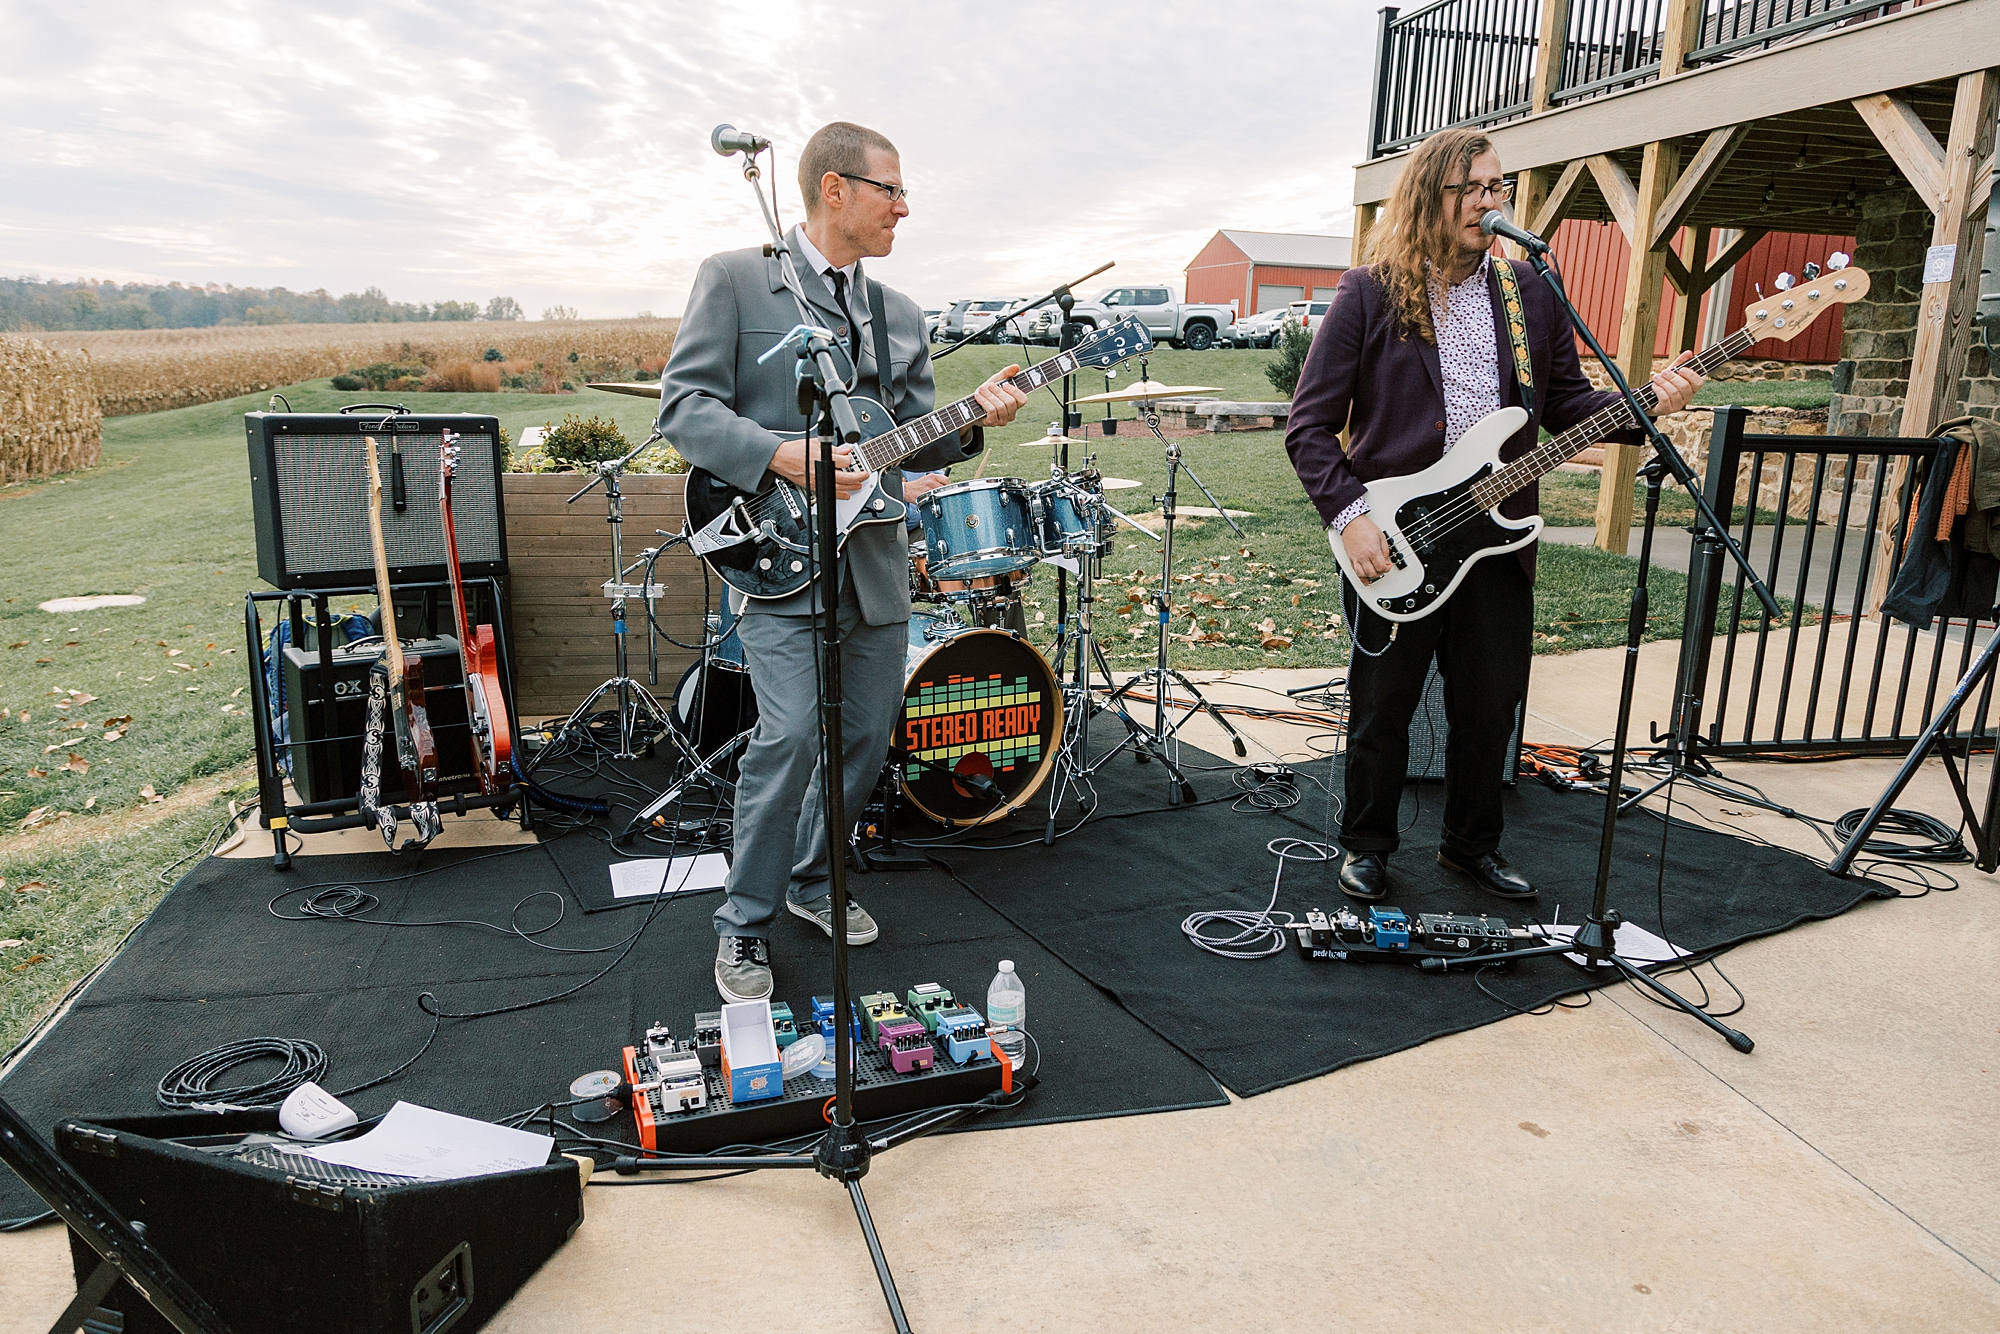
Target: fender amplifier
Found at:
326, 761
309, 496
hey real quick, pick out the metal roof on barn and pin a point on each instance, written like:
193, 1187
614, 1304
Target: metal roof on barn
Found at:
1294, 250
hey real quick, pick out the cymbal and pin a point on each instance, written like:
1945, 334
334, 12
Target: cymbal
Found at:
1118, 484
637, 390
1151, 389
1042, 440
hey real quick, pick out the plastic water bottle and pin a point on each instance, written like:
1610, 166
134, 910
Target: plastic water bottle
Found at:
1007, 1013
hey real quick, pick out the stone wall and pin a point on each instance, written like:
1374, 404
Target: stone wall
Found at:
1872, 378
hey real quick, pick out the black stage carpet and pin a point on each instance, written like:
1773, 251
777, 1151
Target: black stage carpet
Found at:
1129, 1014
212, 966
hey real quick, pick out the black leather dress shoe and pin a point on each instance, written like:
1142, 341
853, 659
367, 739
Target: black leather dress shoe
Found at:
1365, 876
1490, 871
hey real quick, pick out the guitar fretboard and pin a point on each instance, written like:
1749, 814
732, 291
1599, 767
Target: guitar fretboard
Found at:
892, 447
1549, 455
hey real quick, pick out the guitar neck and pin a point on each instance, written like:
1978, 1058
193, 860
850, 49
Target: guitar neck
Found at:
451, 562
383, 593
1549, 455
892, 447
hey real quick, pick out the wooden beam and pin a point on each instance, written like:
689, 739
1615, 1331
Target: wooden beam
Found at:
1561, 195
1982, 186
1687, 334
1620, 195
1913, 46
1365, 218
1677, 271
1681, 29
1745, 242
1531, 189
1694, 182
1644, 274
1548, 54
1944, 318
1909, 143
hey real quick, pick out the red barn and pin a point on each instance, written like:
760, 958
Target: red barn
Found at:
1255, 271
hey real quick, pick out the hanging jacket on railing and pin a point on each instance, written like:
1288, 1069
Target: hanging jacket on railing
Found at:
1949, 567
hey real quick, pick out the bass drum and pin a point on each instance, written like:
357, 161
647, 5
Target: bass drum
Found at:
713, 700
975, 702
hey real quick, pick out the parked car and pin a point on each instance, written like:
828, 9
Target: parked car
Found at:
1176, 323
1259, 330
973, 317
1307, 313
931, 318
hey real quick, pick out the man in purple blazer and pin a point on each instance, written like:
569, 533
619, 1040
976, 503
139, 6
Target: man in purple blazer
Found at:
1412, 353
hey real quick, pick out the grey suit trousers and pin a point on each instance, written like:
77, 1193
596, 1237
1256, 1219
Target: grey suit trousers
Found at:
780, 836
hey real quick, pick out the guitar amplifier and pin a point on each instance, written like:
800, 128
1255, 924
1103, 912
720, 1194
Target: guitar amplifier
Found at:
309, 496
326, 765
1429, 730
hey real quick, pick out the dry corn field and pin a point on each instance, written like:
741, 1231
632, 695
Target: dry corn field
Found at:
49, 420
147, 370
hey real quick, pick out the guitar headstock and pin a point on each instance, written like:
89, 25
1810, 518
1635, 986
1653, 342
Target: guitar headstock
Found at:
448, 454
1798, 302
1120, 342
374, 475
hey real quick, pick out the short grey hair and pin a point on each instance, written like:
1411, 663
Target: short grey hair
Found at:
841, 148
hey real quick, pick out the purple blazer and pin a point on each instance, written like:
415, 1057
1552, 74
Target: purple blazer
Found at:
1383, 386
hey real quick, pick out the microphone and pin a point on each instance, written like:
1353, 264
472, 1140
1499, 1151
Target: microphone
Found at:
1493, 224
727, 139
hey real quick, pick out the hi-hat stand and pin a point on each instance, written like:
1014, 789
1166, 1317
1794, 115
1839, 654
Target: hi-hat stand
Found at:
1161, 675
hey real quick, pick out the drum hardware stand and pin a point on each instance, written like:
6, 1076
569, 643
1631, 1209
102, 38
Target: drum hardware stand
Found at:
704, 769
1161, 676
641, 720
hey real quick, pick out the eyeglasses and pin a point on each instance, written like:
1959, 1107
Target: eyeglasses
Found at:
896, 193
1501, 191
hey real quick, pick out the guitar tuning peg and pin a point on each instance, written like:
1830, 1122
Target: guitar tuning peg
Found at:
1838, 260
1759, 289
1784, 282
1812, 271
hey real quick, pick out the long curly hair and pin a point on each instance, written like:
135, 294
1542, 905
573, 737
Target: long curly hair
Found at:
1421, 230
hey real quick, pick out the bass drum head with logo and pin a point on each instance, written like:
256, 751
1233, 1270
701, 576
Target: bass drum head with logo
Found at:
709, 717
976, 702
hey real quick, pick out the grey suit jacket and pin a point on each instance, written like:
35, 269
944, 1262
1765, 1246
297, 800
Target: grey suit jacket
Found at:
725, 412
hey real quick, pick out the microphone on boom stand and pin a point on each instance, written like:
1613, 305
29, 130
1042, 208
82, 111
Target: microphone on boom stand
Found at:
727, 139
1493, 224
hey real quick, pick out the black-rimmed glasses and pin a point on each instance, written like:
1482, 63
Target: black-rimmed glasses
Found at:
896, 193
1500, 191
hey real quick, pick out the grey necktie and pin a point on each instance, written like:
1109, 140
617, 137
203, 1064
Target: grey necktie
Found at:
853, 327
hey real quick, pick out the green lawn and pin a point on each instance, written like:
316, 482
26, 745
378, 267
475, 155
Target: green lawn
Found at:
166, 517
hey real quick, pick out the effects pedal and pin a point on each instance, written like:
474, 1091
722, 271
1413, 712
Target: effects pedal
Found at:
1434, 940
926, 999
964, 1034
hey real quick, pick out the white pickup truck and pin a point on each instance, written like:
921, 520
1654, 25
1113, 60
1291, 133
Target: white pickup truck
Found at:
1169, 321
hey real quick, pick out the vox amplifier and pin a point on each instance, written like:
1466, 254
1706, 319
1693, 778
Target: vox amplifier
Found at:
326, 760
309, 496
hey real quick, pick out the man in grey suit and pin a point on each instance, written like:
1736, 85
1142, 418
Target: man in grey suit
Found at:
725, 412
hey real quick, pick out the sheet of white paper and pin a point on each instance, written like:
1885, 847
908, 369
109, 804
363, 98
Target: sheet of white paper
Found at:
645, 877
415, 1141
1635, 943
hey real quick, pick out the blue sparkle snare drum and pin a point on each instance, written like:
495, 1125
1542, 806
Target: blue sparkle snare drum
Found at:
978, 528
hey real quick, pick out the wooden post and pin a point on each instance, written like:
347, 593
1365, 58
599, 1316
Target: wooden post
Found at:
1548, 57
1531, 193
1365, 218
1701, 278
1680, 31
1944, 319
1645, 274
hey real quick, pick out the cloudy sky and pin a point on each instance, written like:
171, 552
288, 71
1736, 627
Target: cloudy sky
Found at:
561, 156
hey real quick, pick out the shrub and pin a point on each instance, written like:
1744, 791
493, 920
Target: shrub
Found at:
349, 383
384, 375
493, 354
579, 443
464, 377
1293, 344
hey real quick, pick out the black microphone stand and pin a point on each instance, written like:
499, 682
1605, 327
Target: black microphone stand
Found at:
1595, 940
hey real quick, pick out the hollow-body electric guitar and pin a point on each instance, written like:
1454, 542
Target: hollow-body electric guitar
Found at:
479, 652
1439, 522
761, 544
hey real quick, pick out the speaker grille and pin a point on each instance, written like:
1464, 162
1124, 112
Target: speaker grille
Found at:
1429, 730
309, 477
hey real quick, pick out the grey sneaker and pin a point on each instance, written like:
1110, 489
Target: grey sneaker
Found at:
861, 927
743, 968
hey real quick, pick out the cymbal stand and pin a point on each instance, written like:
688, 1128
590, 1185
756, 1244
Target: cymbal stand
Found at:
641, 719
1081, 697
1161, 675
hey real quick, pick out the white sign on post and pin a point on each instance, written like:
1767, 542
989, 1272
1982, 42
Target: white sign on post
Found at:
1939, 261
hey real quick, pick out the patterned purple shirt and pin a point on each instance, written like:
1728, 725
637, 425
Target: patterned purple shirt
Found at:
1468, 358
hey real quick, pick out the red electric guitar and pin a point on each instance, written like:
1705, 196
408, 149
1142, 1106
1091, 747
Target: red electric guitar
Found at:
479, 650
416, 748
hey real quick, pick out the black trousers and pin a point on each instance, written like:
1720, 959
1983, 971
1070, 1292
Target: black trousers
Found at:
1480, 639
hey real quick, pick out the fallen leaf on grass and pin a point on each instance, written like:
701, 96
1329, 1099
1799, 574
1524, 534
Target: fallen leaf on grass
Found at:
30, 887
114, 736
77, 764
119, 721
89, 802
11, 944
172, 652
38, 773
30, 961
1274, 642
24, 715
47, 749
43, 662
78, 697
229, 708
19, 643
150, 795
234, 693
